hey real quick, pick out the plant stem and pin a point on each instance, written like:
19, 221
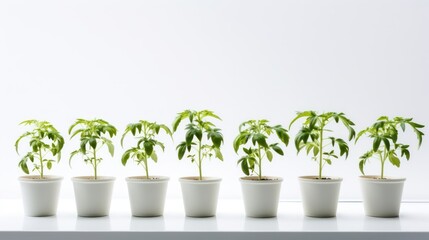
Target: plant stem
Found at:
41, 163
146, 168
321, 150
383, 160
259, 163
199, 161
95, 165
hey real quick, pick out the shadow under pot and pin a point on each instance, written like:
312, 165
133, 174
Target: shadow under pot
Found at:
382, 197
200, 196
93, 196
147, 195
261, 196
320, 196
40, 195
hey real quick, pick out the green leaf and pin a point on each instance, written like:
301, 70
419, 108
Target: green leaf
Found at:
251, 161
49, 164
363, 160
72, 154
361, 165
93, 143
24, 167
78, 121
282, 134
309, 147
154, 156
360, 134
126, 156
269, 155
241, 139
394, 159
189, 136
35, 145
302, 136
123, 137
260, 139
110, 146
216, 138
403, 126
179, 118
148, 147
315, 151
181, 149
199, 134
342, 145
166, 129
277, 149
404, 151
245, 167
83, 145
301, 115
218, 154
20, 138
376, 144
386, 143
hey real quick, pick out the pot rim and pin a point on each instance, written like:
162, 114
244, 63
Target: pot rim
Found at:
376, 178
195, 180
143, 179
90, 179
314, 179
255, 180
37, 179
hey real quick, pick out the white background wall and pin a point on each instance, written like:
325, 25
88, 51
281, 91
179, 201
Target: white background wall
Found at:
129, 60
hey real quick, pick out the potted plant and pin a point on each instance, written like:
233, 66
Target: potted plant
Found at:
320, 193
92, 193
202, 140
146, 193
381, 194
40, 192
260, 193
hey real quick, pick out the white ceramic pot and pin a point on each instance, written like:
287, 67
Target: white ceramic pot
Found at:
40, 196
147, 196
92, 196
382, 197
200, 196
320, 196
261, 197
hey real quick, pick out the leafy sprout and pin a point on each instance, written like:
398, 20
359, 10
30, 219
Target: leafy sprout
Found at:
93, 137
385, 146
197, 130
45, 142
252, 139
145, 132
319, 141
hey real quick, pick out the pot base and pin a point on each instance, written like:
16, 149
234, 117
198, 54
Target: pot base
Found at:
200, 196
261, 197
147, 196
92, 196
320, 196
382, 197
40, 196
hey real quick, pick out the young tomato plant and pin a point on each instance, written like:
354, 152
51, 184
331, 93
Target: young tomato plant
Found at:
145, 132
45, 142
258, 132
385, 145
197, 128
92, 138
313, 136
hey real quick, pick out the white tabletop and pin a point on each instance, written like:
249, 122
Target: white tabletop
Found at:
229, 222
